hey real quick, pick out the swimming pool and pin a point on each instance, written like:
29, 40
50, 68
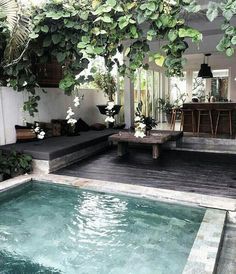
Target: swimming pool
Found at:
58, 229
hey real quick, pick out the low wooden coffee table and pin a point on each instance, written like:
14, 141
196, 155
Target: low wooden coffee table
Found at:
155, 140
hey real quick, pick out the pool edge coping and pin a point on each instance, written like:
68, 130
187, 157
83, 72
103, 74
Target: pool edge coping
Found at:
161, 194
203, 256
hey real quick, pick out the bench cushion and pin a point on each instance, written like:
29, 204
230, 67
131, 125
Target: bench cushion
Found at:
55, 147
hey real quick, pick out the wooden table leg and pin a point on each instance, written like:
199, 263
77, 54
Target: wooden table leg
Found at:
155, 151
122, 148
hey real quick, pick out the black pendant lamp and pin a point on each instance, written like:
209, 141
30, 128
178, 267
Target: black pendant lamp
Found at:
205, 70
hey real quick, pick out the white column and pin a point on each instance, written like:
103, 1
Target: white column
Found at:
2, 122
128, 102
189, 84
208, 87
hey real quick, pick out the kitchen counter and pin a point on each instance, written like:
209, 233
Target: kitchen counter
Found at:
223, 127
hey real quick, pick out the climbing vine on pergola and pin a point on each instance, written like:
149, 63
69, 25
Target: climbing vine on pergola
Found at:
73, 32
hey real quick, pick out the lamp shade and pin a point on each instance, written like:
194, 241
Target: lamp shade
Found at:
205, 71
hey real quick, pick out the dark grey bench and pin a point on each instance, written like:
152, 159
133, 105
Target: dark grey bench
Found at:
57, 152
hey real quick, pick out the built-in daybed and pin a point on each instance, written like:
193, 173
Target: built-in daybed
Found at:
54, 153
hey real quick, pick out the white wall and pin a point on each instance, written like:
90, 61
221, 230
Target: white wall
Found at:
52, 105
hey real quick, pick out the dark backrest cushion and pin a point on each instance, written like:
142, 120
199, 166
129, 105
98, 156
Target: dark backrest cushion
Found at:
98, 126
24, 134
63, 124
81, 126
56, 129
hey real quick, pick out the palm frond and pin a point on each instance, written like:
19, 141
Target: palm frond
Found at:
9, 9
19, 27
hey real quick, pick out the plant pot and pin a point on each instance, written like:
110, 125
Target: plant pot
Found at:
71, 131
103, 110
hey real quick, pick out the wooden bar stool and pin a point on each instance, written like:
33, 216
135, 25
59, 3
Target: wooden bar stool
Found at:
191, 112
204, 112
224, 113
175, 113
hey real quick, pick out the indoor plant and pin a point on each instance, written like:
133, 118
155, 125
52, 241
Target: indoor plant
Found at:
166, 106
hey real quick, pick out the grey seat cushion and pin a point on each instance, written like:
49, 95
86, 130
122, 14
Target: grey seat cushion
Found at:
55, 147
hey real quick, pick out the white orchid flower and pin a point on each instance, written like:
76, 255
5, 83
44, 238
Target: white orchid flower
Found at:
139, 134
70, 111
72, 121
37, 129
137, 118
41, 135
76, 101
110, 105
141, 126
110, 119
68, 116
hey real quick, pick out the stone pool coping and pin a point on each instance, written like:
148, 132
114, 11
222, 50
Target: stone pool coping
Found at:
165, 195
205, 250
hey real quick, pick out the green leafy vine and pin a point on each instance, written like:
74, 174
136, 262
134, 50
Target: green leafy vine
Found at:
227, 8
73, 32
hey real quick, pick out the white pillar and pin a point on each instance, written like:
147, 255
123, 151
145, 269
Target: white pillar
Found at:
208, 87
128, 102
189, 84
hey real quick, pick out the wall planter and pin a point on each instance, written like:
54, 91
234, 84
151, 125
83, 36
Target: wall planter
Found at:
103, 110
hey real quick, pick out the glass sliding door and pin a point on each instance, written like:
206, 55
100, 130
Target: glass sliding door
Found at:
120, 98
220, 84
156, 95
148, 89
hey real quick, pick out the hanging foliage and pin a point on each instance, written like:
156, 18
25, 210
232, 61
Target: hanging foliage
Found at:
227, 8
73, 32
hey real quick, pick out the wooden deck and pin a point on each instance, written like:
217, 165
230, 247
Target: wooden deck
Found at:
211, 174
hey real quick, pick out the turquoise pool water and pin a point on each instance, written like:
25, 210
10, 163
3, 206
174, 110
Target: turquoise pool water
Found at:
52, 229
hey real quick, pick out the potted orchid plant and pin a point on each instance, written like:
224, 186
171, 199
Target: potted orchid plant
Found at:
143, 124
71, 120
106, 82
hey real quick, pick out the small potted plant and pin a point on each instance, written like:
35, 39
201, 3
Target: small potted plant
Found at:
143, 123
18, 163
107, 83
166, 106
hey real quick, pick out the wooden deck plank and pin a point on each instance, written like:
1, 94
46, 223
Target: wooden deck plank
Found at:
176, 170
